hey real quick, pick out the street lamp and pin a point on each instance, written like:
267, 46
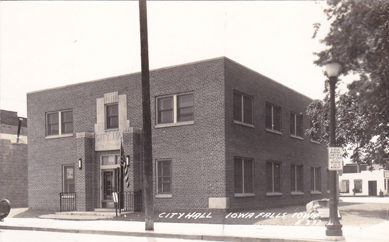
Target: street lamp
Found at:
334, 228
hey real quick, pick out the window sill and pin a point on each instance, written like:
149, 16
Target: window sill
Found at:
315, 142
164, 195
112, 130
244, 195
244, 124
59, 136
273, 194
315, 192
174, 124
296, 193
296, 137
274, 131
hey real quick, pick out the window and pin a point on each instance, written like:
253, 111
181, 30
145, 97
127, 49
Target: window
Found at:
243, 175
344, 186
59, 123
243, 108
112, 115
315, 179
273, 117
175, 109
68, 179
164, 175
273, 177
296, 125
358, 186
296, 177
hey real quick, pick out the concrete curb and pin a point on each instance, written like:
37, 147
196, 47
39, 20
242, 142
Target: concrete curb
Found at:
156, 235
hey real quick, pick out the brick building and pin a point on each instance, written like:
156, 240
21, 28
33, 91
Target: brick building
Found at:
13, 158
224, 137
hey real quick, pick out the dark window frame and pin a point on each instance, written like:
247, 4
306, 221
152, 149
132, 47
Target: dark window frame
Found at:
273, 176
243, 108
297, 178
161, 178
109, 117
60, 123
296, 126
243, 179
65, 181
316, 178
272, 122
179, 114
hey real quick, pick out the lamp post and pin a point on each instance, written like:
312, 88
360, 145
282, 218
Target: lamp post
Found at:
334, 228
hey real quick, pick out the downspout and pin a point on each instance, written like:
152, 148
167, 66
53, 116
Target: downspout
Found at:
19, 126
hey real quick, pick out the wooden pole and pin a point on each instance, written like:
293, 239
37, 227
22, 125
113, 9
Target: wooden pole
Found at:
147, 142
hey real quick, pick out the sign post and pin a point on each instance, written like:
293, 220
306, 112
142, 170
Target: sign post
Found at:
335, 158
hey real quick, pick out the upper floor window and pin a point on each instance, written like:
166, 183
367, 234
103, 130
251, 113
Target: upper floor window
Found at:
243, 108
296, 125
59, 123
175, 109
273, 117
112, 115
243, 175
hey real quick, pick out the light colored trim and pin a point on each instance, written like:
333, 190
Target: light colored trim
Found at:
315, 142
59, 136
174, 124
273, 194
244, 195
164, 195
297, 193
244, 124
296, 137
112, 97
273, 131
315, 192
85, 135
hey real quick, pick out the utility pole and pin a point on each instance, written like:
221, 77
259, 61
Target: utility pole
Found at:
147, 142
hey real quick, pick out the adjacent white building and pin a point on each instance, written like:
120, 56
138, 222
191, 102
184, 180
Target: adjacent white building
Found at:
358, 180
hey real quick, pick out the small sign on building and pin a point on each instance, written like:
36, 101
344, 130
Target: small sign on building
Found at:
335, 158
386, 174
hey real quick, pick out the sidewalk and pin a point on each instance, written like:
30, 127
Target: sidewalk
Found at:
211, 232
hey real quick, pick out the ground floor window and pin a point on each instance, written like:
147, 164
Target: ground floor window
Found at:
273, 177
164, 177
358, 186
243, 175
296, 178
68, 179
344, 186
315, 179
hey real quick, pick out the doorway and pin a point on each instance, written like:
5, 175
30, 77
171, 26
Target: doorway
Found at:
372, 188
110, 181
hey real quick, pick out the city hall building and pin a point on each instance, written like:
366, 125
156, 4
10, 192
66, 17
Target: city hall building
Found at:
223, 136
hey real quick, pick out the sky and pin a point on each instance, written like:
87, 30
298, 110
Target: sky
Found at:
47, 44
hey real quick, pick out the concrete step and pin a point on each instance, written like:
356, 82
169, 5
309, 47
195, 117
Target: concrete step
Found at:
98, 214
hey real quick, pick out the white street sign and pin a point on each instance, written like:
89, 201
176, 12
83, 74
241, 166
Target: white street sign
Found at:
335, 158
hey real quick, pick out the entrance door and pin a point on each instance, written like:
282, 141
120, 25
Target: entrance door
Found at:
372, 188
109, 180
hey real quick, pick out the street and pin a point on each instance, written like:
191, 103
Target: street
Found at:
22, 235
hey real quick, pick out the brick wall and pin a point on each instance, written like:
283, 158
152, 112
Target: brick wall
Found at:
13, 173
201, 153
48, 155
196, 151
261, 145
